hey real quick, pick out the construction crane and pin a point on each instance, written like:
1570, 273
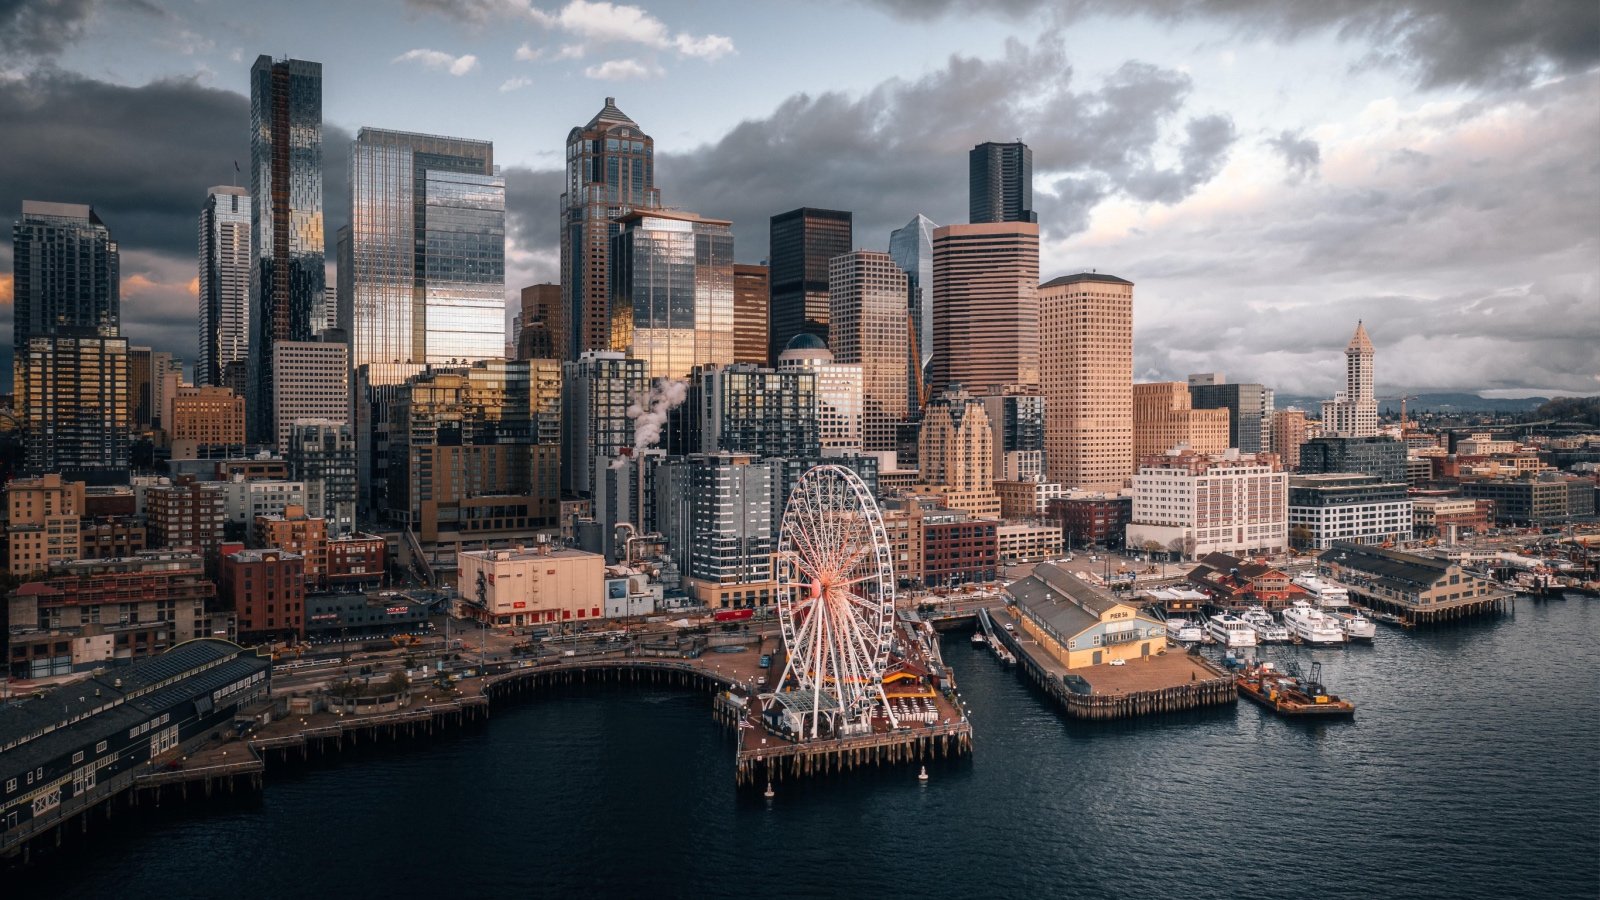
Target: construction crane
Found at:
1402, 398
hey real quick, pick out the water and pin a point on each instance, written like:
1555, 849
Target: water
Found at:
1471, 770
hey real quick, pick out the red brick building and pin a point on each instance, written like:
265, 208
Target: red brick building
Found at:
356, 561
1101, 520
267, 590
960, 552
112, 538
188, 514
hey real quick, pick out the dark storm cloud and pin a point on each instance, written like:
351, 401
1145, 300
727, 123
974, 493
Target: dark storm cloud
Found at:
1301, 155
42, 28
901, 148
1499, 42
533, 240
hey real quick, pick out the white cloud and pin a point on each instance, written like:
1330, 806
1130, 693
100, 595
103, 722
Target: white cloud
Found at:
526, 53
711, 46
439, 61
514, 84
597, 22
622, 70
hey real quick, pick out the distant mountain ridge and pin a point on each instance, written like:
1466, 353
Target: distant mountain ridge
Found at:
1439, 403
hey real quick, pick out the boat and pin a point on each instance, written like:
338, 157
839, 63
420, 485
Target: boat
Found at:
1184, 631
1356, 626
1388, 617
1268, 631
978, 638
1325, 594
1287, 693
1231, 631
1311, 626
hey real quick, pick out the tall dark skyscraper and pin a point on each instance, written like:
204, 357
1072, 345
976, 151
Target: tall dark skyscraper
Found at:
802, 242
1249, 406
1000, 187
610, 172
287, 298
71, 365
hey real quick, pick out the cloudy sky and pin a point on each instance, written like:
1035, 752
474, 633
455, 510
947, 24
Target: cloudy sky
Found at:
1266, 172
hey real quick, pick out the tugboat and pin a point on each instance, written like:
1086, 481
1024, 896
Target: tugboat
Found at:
1287, 693
978, 639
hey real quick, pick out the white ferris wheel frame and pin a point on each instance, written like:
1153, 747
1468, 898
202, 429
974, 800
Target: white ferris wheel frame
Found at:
837, 636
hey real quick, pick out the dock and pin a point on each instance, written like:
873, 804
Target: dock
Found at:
1173, 681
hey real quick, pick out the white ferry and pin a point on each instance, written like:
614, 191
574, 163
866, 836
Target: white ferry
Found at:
1311, 625
1268, 631
1357, 627
1231, 631
1326, 594
1184, 631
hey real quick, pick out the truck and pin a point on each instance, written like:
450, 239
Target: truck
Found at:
733, 615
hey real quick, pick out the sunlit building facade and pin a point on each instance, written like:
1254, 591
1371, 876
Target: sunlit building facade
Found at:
868, 326
672, 291
224, 284
839, 387
912, 250
66, 270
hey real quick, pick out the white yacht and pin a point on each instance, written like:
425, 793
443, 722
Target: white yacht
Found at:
1357, 627
1231, 631
1325, 594
1184, 631
1311, 626
1268, 631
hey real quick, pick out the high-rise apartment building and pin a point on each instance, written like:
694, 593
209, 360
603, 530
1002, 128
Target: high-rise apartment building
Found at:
672, 291
867, 325
956, 452
322, 454
186, 514
911, 247
716, 511
66, 274
597, 390
1249, 409
422, 273
1017, 418
752, 296
205, 417
1000, 183
610, 172
1164, 419
1288, 433
224, 285
839, 393
542, 323
1353, 412
312, 381
42, 523
1087, 380
73, 395
287, 300
985, 306
746, 408
801, 243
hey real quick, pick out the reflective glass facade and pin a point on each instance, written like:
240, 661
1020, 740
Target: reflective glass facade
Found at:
870, 327
74, 399
800, 244
425, 253
287, 300
1000, 186
672, 292
596, 392
912, 250
66, 268
610, 172
224, 286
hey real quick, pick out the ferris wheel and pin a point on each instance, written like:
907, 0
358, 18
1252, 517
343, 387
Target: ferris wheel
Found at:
835, 602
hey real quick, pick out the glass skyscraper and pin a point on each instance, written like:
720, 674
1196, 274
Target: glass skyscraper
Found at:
911, 248
287, 301
1249, 406
610, 172
65, 266
422, 268
1000, 183
224, 284
801, 244
672, 291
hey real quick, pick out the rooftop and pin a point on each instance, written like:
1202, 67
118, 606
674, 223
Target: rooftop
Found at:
1085, 276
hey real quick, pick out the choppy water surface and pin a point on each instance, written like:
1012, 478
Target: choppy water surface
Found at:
1471, 770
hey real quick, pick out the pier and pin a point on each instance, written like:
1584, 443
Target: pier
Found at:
1174, 681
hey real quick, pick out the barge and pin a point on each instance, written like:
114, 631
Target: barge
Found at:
1288, 694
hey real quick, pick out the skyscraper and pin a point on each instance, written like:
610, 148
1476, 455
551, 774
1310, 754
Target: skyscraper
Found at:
912, 249
745, 408
542, 334
672, 291
287, 301
224, 285
66, 274
1353, 412
752, 296
1017, 418
985, 306
311, 381
1165, 416
838, 393
610, 172
597, 390
867, 322
1087, 379
1000, 183
426, 253
802, 241
957, 453
74, 400
1249, 409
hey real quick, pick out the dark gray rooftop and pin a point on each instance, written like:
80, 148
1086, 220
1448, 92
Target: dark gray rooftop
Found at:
1085, 276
